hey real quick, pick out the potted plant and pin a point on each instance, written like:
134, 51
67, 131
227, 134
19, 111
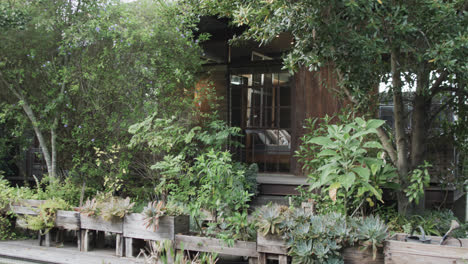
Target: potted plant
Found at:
157, 222
426, 249
104, 214
268, 222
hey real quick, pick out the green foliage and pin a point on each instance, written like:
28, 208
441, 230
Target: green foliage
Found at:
6, 227
434, 222
55, 188
418, 180
340, 161
45, 220
222, 184
237, 226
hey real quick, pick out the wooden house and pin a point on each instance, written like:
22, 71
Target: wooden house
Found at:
267, 102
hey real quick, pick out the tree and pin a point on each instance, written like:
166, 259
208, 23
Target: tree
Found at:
419, 43
83, 71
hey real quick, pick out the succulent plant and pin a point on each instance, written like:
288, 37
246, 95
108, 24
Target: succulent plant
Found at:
89, 208
269, 220
115, 207
371, 233
152, 213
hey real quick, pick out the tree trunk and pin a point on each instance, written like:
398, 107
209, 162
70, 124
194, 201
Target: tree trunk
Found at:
45, 150
400, 134
421, 107
30, 114
53, 143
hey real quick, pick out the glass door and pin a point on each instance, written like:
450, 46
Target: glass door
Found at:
260, 104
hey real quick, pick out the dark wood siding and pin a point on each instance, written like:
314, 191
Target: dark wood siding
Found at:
313, 97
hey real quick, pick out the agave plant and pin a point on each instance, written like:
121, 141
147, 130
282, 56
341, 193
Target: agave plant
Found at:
371, 233
269, 220
89, 208
152, 213
115, 207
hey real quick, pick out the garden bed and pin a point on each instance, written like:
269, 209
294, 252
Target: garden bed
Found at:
26, 207
99, 224
397, 250
354, 255
214, 245
69, 220
271, 244
134, 227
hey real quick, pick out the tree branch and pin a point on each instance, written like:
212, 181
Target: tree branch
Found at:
435, 88
381, 133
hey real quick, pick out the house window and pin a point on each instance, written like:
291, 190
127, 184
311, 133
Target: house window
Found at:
260, 103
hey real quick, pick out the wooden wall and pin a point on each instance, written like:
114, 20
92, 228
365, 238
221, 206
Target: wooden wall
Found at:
312, 97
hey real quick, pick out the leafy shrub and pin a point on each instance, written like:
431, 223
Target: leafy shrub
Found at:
45, 220
342, 163
221, 184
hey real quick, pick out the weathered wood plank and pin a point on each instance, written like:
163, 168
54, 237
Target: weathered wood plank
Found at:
262, 259
28, 203
399, 251
205, 244
134, 227
271, 244
119, 245
282, 259
68, 220
128, 247
97, 223
24, 210
28, 249
85, 240
352, 255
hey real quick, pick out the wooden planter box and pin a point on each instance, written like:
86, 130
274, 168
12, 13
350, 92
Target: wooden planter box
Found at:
397, 250
169, 226
26, 207
272, 244
206, 244
99, 224
69, 220
353, 255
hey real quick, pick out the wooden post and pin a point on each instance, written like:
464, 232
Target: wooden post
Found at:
47, 239
119, 244
262, 258
128, 247
282, 259
253, 260
85, 240
78, 240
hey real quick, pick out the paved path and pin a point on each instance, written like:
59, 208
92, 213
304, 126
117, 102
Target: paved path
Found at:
29, 250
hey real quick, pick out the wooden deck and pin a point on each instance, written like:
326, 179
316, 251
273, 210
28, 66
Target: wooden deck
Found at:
29, 250
279, 184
